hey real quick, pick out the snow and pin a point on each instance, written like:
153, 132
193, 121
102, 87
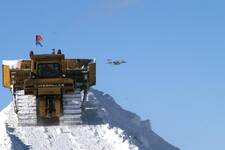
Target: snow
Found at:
5, 142
13, 64
110, 128
4, 139
67, 138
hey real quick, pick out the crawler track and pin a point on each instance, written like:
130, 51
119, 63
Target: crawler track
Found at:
26, 109
71, 108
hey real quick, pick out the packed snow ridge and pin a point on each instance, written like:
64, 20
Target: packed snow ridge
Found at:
110, 128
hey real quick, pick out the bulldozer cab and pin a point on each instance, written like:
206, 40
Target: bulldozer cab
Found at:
47, 65
48, 70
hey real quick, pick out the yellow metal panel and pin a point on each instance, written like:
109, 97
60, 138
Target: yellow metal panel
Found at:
42, 107
6, 76
72, 63
49, 91
92, 74
25, 64
57, 108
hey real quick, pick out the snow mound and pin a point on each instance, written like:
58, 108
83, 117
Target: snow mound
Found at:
13, 64
108, 128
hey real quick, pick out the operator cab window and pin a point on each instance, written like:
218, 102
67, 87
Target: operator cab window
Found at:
48, 70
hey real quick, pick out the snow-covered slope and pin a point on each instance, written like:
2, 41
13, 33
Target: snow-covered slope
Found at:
111, 128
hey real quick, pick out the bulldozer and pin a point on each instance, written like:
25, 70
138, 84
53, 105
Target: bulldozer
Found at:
48, 88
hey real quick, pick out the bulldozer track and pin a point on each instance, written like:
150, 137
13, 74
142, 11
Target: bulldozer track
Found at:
26, 109
71, 108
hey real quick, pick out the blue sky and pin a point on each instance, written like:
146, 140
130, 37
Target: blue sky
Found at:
175, 51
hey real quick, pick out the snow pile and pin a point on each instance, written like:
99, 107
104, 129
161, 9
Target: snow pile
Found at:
110, 128
13, 64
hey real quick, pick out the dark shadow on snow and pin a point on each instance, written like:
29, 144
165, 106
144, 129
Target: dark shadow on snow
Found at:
90, 115
17, 144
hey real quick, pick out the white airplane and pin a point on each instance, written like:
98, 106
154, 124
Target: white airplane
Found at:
115, 62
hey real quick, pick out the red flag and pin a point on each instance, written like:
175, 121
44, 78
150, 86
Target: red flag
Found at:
38, 38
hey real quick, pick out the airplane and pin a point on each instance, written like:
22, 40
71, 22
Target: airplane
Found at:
115, 62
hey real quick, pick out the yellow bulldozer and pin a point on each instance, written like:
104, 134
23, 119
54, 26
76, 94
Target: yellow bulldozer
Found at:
48, 87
